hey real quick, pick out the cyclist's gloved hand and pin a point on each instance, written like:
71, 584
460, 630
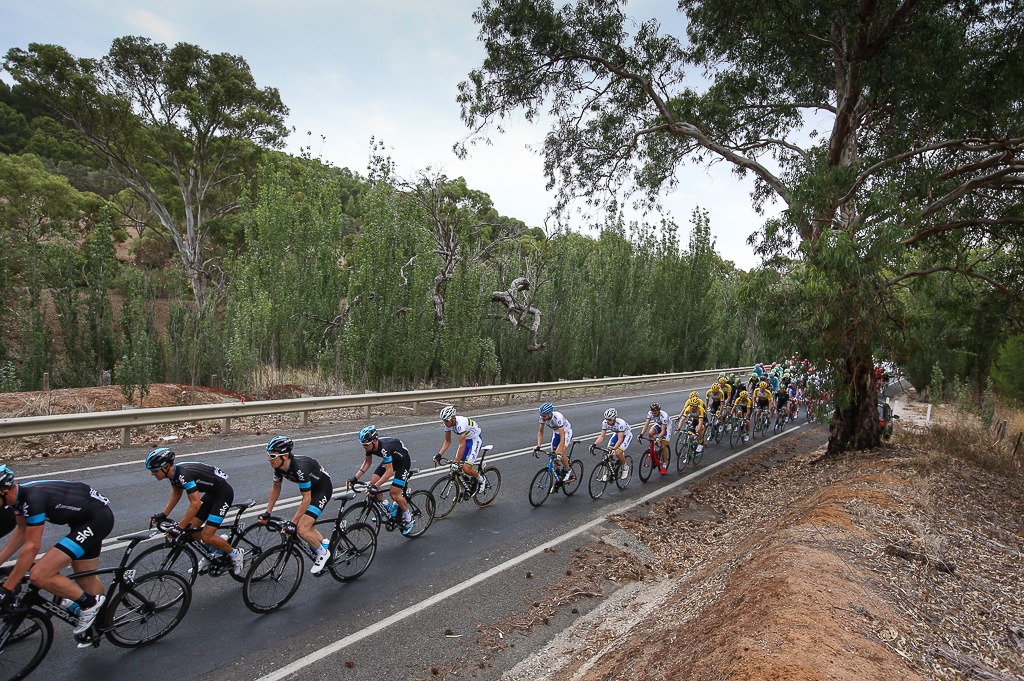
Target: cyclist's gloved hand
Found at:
592, 448
157, 517
264, 517
352, 481
174, 532
372, 489
536, 451
437, 459
289, 528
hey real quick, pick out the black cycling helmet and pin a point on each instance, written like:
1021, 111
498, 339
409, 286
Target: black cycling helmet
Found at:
368, 434
158, 457
6, 477
279, 444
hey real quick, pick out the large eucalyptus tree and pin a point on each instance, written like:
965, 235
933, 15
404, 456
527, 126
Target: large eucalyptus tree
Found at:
883, 127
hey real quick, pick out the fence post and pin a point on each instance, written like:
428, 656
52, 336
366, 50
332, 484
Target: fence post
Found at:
303, 419
366, 412
46, 381
1016, 446
928, 417
126, 436
225, 425
490, 400
416, 408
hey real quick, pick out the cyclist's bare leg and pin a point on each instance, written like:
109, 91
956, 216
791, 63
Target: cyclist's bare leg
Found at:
46, 575
308, 532
470, 470
398, 497
210, 537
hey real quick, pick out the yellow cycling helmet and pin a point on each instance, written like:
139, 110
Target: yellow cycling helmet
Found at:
693, 395
762, 385
743, 393
722, 381
693, 401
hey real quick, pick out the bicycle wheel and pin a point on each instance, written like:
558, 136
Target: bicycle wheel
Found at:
736, 434
170, 556
599, 479
646, 466
623, 482
777, 428
447, 492
541, 486
255, 540
24, 641
680, 443
273, 578
569, 488
697, 456
684, 455
665, 457
421, 505
363, 512
492, 479
147, 609
720, 431
352, 551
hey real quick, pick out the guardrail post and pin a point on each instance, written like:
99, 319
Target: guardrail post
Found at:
225, 425
366, 412
126, 436
462, 403
416, 408
46, 381
508, 399
490, 400
303, 419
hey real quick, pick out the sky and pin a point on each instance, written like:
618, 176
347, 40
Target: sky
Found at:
352, 70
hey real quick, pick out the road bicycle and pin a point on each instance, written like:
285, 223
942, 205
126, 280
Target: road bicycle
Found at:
457, 486
652, 458
714, 429
183, 553
274, 577
781, 418
607, 470
139, 609
762, 419
552, 478
377, 514
686, 444
739, 430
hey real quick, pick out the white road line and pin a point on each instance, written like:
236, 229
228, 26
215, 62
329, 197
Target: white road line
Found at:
383, 624
52, 474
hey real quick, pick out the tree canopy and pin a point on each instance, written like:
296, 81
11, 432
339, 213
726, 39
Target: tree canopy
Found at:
890, 131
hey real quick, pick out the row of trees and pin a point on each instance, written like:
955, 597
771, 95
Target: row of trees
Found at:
899, 236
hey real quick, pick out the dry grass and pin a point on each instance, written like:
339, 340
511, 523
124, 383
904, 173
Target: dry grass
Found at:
967, 439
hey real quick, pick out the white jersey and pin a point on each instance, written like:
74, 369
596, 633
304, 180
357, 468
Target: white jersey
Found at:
663, 420
558, 421
464, 426
623, 432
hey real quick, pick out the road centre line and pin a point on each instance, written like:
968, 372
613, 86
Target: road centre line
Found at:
51, 474
383, 624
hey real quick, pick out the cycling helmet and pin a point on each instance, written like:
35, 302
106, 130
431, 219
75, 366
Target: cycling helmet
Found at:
744, 393
762, 385
610, 414
546, 408
722, 380
368, 434
6, 477
448, 413
279, 444
694, 395
693, 401
158, 457
655, 407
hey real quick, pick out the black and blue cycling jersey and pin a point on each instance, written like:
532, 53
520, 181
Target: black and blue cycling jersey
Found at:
75, 504
311, 477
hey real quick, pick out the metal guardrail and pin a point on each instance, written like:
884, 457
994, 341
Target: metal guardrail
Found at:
134, 418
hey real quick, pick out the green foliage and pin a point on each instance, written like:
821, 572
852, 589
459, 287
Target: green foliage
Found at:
136, 368
937, 386
9, 380
1008, 370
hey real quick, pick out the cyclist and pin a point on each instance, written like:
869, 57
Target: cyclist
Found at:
395, 465
781, 398
622, 435
796, 395
716, 397
209, 498
75, 504
695, 407
469, 443
559, 440
661, 429
315, 487
741, 407
763, 397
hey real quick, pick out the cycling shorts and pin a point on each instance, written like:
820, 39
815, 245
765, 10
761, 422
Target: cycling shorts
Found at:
402, 464
624, 438
742, 410
472, 449
85, 539
763, 404
215, 506
556, 440
715, 406
318, 498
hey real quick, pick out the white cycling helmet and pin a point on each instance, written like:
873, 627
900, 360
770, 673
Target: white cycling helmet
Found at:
610, 414
448, 413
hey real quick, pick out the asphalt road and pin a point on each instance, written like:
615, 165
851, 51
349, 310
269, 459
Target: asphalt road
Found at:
417, 599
